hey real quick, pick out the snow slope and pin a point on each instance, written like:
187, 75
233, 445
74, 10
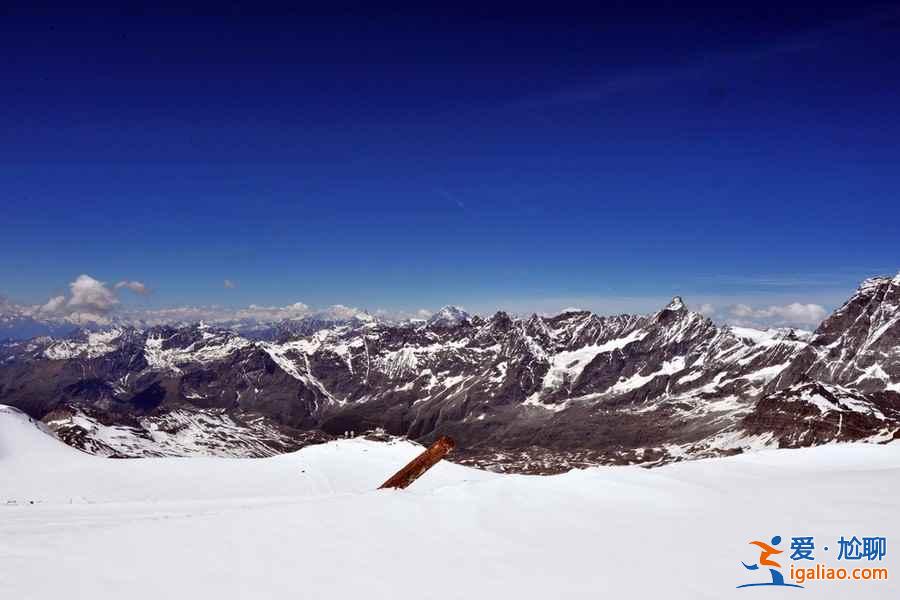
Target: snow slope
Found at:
38, 467
311, 525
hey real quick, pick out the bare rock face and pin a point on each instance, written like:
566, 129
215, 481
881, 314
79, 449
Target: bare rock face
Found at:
536, 394
857, 346
813, 413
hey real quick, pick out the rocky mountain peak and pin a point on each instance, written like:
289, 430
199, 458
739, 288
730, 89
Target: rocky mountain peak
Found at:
879, 282
875, 307
676, 305
501, 321
675, 311
449, 316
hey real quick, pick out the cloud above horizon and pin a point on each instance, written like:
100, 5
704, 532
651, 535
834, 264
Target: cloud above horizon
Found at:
89, 299
789, 315
137, 287
251, 313
92, 300
91, 296
707, 309
54, 304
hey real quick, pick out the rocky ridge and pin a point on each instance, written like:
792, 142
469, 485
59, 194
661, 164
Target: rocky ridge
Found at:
535, 394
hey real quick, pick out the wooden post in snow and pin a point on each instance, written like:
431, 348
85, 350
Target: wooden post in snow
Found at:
430, 457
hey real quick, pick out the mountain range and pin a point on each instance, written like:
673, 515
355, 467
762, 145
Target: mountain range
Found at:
536, 394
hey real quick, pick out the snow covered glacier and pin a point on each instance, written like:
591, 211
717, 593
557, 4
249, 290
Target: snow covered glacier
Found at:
310, 524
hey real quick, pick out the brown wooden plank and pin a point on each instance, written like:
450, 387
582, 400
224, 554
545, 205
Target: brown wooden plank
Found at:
430, 457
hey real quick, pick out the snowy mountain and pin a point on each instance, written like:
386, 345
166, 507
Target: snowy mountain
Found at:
535, 394
449, 316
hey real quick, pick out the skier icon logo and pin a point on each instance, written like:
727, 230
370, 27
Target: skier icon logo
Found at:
766, 551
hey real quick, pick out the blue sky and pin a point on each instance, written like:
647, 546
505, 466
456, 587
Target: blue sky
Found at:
730, 155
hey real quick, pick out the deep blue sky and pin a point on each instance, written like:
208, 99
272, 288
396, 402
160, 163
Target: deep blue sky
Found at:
727, 154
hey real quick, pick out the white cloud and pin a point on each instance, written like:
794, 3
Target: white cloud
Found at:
803, 313
741, 310
137, 287
91, 296
794, 314
54, 305
297, 310
178, 314
229, 284
87, 318
89, 300
339, 311
254, 312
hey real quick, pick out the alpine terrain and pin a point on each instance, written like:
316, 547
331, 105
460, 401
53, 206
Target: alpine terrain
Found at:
537, 394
